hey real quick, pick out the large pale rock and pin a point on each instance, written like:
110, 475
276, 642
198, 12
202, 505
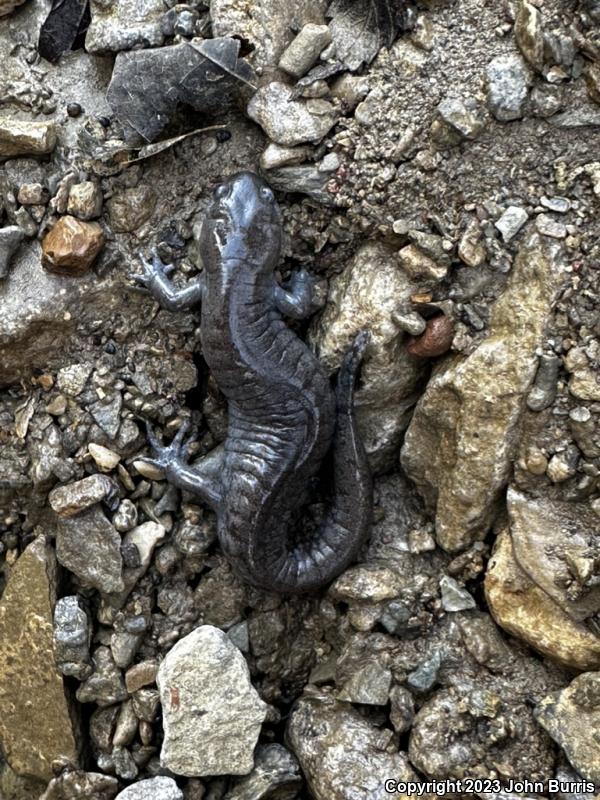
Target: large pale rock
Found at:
44, 316
288, 121
36, 725
212, 714
25, 138
556, 544
269, 25
572, 718
371, 291
342, 755
463, 435
527, 612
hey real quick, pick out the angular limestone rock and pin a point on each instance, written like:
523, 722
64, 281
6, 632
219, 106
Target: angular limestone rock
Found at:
212, 714
25, 138
572, 718
556, 543
527, 612
463, 435
36, 724
288, 121
368, 295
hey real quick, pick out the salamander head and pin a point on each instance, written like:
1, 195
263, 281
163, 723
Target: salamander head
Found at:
242, 223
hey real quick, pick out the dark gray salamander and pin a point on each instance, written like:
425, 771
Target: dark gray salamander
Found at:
283, 415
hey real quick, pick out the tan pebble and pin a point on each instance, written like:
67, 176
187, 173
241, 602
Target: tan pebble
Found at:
140, 675
105, 459
536, 462
71, 246
46, 381
57, 406
149, 471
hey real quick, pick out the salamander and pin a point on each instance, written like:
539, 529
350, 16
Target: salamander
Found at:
284, 417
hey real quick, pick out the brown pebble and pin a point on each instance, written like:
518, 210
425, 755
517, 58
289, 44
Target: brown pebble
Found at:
435, 340
71, 246
142, 674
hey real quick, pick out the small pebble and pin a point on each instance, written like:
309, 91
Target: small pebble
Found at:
548, 226
435, 341
105, 459
511, 222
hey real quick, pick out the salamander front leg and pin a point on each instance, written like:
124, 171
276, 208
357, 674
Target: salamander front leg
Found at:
297, 300
155, 278
199, 481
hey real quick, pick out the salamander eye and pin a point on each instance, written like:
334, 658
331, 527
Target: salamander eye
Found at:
266, 193
221, 191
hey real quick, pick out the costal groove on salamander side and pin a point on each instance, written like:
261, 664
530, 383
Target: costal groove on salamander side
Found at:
283, 415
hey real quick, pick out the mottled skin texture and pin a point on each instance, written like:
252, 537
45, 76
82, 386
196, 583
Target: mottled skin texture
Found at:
283, 415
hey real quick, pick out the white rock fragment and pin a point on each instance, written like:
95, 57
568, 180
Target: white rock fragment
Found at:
508, 85
212, 714
511, 222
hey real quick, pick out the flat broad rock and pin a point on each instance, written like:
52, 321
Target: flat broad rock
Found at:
212, 714
549, 538
464, 433
572, 718
36, 723
527, 612
339, 750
